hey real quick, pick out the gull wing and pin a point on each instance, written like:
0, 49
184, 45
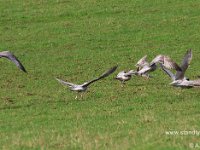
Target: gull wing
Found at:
12, 58
168, 72
131, 72
142, 62
166, 61
144, 70
107, 73
157, 59
185, 63
170, 64
66, 83
121, 73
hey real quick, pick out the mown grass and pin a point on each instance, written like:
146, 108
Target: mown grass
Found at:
77, 40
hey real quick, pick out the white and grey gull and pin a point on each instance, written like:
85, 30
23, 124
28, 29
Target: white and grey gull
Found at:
179, 79
83, 87
125, 76
144, 68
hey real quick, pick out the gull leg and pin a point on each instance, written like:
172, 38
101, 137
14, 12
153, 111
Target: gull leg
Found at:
122, 83
146, 76
81, 95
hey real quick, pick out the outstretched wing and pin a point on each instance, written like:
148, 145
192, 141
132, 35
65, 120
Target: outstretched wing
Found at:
168, 72
185, 63
170, 64
65, 83
142, 62
166, 61
12, 58
131, 72
145, 69
107, 73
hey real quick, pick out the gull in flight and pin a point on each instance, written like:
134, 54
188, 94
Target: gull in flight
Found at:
144, 68
125, 76
180, 75
83, 87
13, 58
179, 79
186, 83
166, 61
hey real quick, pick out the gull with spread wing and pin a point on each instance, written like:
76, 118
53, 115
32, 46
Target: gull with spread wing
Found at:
166, 61
125, 76
144, 68
83, 87
179, 79
13, 58
180, 75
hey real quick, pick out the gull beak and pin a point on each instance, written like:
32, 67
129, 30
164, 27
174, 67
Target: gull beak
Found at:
172, 83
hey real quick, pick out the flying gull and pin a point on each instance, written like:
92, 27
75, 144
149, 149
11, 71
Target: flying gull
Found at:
13, 58
144, 68
125, 76
83, 87
166, 61
179, 79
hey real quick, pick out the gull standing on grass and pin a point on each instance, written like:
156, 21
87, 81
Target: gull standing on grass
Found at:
13, 58
83, 87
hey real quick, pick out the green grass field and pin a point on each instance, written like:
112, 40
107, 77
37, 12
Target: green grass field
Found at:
77, 40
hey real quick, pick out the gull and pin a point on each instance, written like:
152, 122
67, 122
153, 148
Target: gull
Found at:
185, 63
166, 61
143, 67
170, 74
125, 76
83, 87
142, 62
180, 74
186, 83
179, 79
13, 58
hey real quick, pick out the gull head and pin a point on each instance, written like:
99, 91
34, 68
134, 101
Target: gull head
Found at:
176, 82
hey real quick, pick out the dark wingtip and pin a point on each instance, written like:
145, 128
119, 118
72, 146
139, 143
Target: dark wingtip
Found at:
23, 69
21, 66
114, 68
189, 51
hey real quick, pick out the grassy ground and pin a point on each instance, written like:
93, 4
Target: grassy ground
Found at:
77, 40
